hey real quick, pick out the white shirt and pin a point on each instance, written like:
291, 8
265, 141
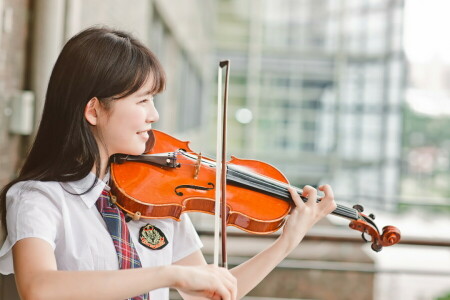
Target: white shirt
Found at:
72, 225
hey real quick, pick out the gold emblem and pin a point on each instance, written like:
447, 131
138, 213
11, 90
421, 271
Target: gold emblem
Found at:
152, 237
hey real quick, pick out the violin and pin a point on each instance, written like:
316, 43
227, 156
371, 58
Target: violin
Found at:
170, 179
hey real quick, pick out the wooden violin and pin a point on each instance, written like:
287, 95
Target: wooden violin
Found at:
170, 179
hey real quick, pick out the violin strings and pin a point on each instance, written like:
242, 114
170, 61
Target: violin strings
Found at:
262, 183
280, 189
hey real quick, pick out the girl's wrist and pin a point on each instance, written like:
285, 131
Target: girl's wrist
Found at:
289, 241
285, 244
169, 275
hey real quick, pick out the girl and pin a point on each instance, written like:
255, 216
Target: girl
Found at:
60, 223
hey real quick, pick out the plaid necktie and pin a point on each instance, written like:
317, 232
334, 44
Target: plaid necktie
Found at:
118, 229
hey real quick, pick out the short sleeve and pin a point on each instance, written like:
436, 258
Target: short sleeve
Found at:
186, 240
33, 210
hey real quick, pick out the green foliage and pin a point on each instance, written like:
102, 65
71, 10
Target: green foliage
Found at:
423, 130
446, 297
426, 134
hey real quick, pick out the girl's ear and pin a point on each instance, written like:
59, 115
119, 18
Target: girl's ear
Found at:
91, 111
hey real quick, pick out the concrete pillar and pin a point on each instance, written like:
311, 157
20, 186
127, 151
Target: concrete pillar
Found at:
48, 39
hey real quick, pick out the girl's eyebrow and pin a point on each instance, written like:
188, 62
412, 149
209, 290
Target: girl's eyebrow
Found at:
145, 93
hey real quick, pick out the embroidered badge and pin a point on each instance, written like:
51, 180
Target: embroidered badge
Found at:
152, 237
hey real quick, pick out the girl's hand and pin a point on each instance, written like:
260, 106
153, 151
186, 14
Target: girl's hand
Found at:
207, 281
304, 215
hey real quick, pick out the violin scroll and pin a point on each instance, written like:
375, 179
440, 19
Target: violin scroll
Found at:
390, 236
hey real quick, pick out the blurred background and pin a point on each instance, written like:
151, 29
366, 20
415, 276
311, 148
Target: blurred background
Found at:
354, 93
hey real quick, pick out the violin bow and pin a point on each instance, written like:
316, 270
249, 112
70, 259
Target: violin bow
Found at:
360, 222
221, 168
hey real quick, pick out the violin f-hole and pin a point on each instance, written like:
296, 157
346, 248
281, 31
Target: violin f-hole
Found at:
195, 187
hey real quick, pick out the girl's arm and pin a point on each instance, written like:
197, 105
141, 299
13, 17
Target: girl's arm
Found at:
38, 278
301, 219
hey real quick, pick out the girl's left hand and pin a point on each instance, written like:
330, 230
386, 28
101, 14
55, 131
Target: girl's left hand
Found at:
304, 215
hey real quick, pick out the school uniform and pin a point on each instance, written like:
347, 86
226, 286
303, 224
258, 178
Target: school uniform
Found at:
74, 228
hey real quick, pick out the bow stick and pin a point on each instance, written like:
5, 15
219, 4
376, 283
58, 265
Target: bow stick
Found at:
221, 168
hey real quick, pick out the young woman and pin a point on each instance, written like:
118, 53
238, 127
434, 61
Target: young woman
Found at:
59, 241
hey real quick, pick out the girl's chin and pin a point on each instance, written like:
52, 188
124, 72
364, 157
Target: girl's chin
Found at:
134, 151
138, 152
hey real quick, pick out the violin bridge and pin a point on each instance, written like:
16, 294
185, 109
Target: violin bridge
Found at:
198, 165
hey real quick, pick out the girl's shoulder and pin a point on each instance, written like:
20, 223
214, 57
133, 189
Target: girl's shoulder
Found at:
34, 189
33, 209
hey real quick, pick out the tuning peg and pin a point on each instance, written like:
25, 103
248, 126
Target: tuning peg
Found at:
376, 247
358, 207
372, 216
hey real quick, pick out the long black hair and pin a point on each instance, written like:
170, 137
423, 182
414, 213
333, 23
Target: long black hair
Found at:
98, 62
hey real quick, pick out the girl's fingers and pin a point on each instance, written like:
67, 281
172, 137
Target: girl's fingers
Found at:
209, 281
218, 291
226, 285
222, 293
310, 193
328, 199
326, 188
295, 197
230, 282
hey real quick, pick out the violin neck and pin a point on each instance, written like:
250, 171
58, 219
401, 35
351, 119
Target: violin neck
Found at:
241, 177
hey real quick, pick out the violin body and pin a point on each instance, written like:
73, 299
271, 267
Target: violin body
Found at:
171, 179
155, 191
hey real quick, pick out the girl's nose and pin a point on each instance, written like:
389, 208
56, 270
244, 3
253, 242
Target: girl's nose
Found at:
153, 115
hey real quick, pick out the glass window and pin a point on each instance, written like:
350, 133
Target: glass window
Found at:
393, 135
368, 182
370, 137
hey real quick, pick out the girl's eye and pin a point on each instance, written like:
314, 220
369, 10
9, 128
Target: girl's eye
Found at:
146, 100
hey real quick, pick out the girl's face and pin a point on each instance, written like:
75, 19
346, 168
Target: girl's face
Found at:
123, 127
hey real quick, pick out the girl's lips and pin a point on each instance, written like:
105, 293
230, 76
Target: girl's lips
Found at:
143, 134
144, 131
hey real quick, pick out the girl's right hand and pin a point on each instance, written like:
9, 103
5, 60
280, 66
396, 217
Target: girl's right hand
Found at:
207, 281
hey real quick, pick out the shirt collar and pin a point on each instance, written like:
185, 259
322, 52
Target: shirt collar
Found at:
82, 185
